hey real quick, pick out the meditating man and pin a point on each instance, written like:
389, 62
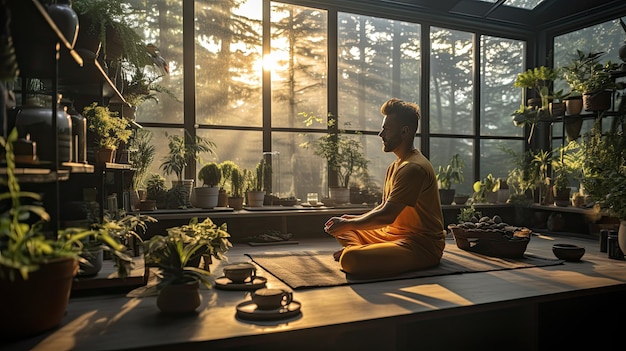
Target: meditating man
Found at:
405, 232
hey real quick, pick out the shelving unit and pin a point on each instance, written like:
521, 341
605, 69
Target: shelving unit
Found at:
44, 53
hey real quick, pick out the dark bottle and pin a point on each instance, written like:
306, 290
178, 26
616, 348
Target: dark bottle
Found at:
613, 246
604, 237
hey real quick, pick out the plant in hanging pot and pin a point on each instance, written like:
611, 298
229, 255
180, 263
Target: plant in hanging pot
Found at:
452, 173
206, 196
109, 130
181, 152
36, 267
171, 254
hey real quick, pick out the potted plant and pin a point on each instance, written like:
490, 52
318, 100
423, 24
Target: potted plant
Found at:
109, 129
179, 281
181, 152
206, 196
142, 153
538, 80
604, 170
36, 267
256, 183
343, 154
237, 184
485, 189
446, 176
104, 26
156, 192
588, 76
226, 169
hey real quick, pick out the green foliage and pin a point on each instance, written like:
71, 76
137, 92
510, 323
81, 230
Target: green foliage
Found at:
116, 233
181, 152
226, 168
210, 174
586, 74
605, 166
171, 253
482, 187
343, 154
452, 173
23, 244
111, 129
114, 16
237, 181
142, 153
155, 186
468, 214
538, 79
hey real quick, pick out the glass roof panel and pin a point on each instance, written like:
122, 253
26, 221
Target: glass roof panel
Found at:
523, 4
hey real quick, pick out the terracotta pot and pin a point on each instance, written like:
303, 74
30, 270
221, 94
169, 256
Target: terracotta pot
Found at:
222, 198
103, 156
573, 106
38, 303
600, 101
179, 298
236, 202
255, 198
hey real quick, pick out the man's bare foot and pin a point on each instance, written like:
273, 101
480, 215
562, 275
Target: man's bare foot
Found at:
337, 255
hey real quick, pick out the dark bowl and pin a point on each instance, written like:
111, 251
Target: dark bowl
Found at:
568, 252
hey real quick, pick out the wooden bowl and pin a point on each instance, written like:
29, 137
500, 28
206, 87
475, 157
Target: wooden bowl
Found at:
568, 252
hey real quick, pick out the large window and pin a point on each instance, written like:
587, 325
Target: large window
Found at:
260, 67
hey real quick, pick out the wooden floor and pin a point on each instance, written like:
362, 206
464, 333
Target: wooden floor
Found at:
557, 307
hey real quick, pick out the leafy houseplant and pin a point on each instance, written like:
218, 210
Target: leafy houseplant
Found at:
483, 189
537, 79
110, 130
604, 168
36, 268
156, 190
207, 196
452, 173
172, 253
142, 153
181, 152
586, 75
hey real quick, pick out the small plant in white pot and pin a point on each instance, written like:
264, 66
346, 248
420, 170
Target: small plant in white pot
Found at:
206, 196
181, 152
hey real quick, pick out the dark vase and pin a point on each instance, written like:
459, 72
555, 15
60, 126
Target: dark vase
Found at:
79, 135
36, 121
65, 19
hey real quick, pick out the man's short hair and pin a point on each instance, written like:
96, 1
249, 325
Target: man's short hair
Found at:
408, 113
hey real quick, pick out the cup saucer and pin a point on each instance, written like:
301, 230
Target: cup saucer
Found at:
249, 310
227, 284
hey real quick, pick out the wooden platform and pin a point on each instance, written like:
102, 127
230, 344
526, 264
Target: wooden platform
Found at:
558, 307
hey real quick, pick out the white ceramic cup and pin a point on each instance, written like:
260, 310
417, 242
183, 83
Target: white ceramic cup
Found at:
239, 272
270, 299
